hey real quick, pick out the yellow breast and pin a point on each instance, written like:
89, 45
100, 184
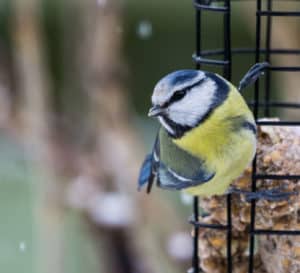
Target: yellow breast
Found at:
227, 152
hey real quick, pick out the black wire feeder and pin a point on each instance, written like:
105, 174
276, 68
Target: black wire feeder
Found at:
223, 8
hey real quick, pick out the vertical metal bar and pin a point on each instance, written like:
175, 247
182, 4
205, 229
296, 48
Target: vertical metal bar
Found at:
227, 75
256, 103
268, 47
227, 41
229, 235
257, 49
196, 268
198, 35
252, 220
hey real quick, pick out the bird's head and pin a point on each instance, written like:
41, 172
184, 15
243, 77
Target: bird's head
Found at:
185, 98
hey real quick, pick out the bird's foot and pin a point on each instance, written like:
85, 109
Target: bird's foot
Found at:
273, 195
206, 2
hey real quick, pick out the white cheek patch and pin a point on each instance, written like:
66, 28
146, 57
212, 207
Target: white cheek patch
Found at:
195, 105
163, 92
166, 125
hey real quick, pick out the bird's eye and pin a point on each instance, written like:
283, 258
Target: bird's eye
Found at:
178, 95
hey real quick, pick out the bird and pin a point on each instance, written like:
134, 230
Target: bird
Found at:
207, 133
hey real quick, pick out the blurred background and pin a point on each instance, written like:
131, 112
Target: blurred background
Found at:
75, 84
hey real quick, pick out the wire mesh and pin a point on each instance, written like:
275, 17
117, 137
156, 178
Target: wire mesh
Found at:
201, 57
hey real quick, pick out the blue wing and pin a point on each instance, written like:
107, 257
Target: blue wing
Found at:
178, 170
169, 179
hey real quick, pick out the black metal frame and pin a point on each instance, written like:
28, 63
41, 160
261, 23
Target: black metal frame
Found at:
201, 57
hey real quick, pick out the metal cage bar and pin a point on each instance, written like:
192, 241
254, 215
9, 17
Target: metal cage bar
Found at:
195, 262
204, 57
267, 54
227, 72
255, 111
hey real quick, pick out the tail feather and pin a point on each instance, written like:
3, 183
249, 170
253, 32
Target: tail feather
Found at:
146, 174
253, 74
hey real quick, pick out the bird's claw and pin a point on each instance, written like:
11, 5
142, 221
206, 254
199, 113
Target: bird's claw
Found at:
206, 2
273, 195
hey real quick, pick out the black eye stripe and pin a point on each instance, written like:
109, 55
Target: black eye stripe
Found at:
179, 94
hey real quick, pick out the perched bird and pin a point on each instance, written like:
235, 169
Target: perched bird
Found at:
207, 136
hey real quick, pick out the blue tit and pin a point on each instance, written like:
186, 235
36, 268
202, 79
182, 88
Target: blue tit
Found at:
207, 136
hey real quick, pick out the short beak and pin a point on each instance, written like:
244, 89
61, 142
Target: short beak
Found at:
155, 111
